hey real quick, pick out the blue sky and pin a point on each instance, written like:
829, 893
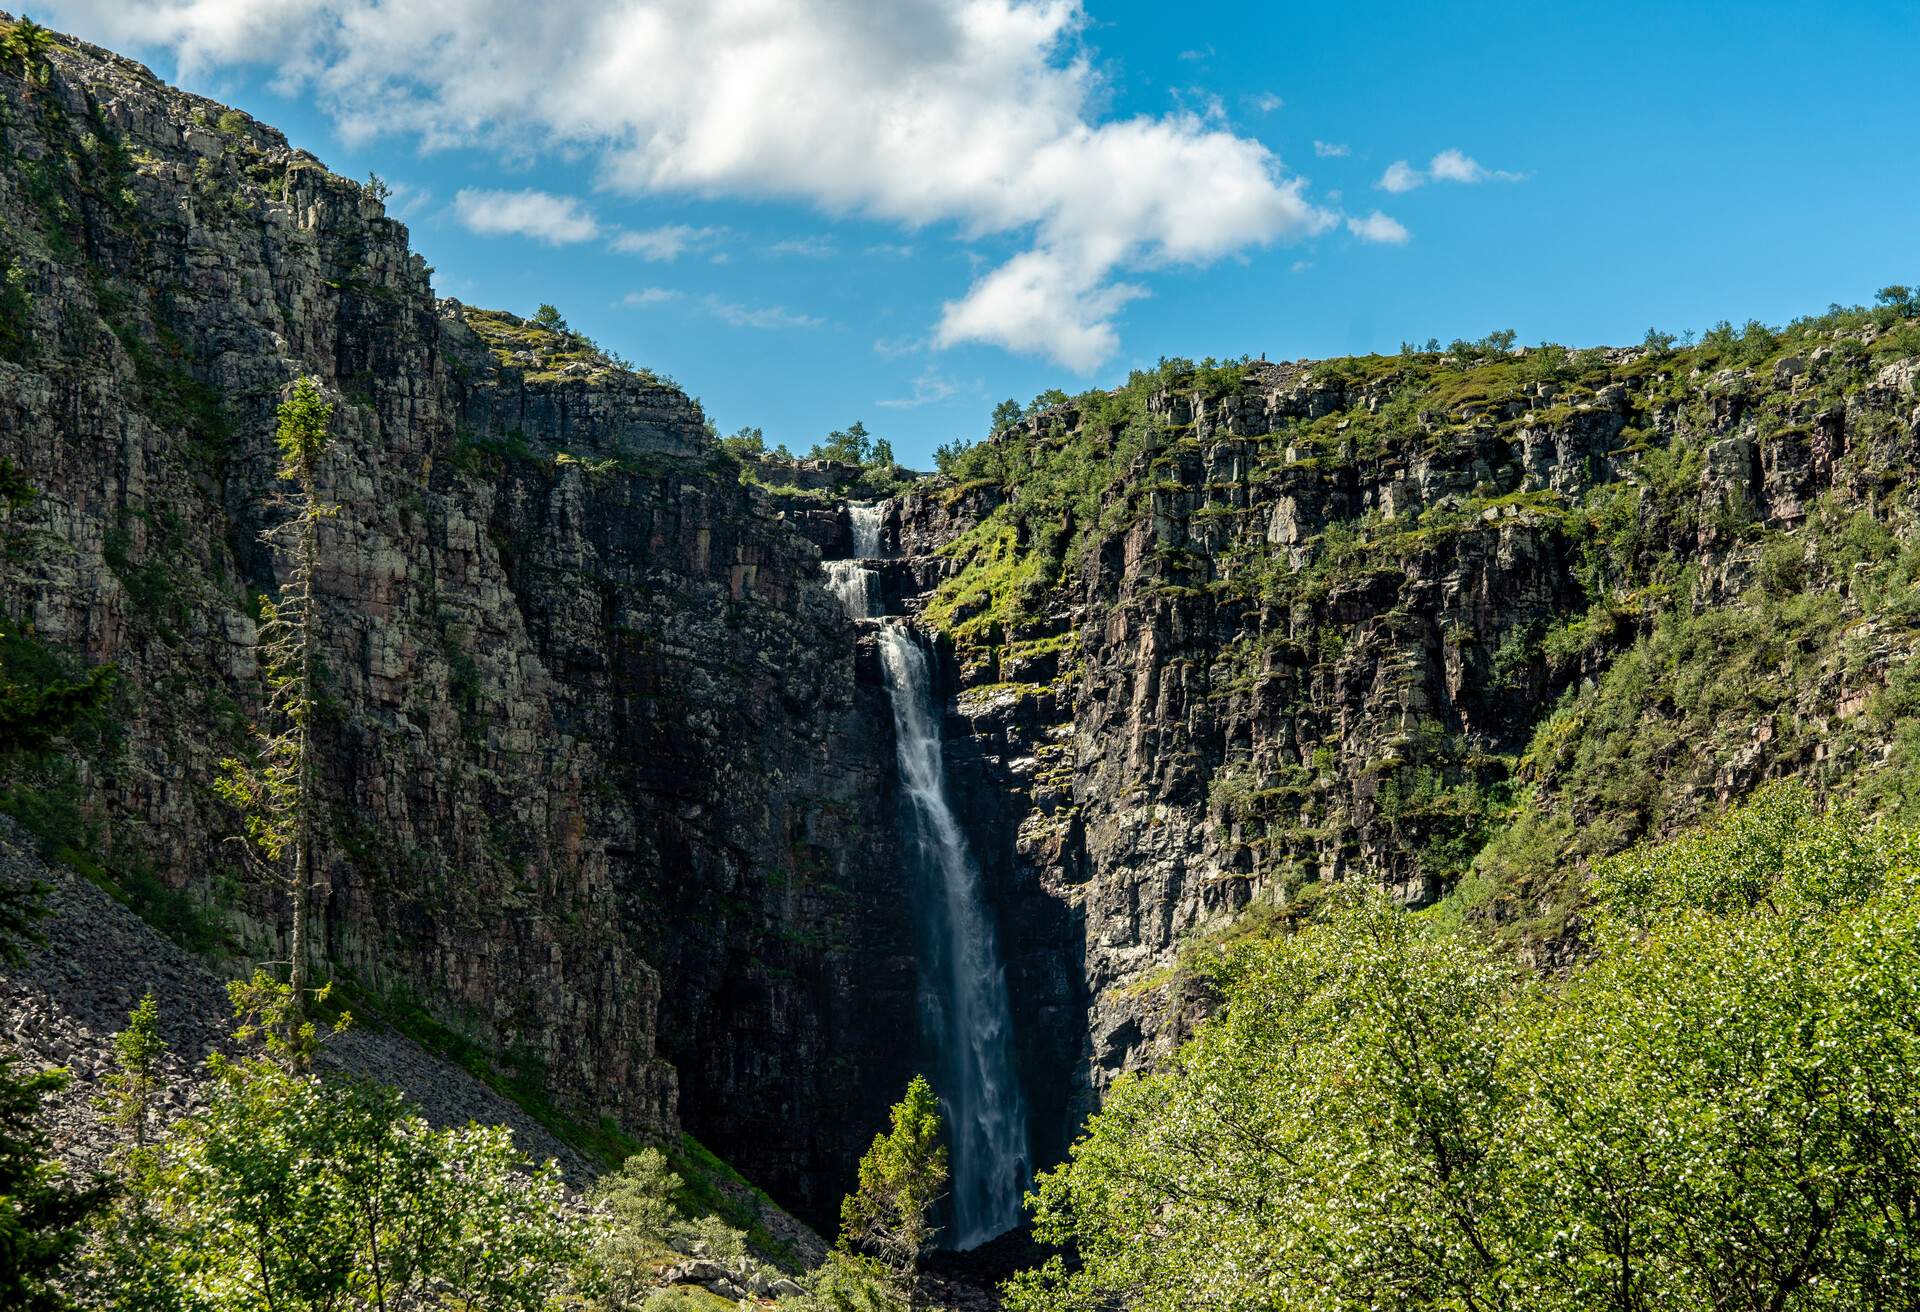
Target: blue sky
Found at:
812, 211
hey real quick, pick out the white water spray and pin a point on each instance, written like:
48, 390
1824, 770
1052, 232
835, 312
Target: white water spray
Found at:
857, 587
866, 522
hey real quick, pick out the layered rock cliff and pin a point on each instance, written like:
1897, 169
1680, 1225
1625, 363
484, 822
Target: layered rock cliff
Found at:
605, 795
1452, 622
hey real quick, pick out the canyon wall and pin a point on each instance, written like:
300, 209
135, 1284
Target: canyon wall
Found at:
1451, 623
605, 794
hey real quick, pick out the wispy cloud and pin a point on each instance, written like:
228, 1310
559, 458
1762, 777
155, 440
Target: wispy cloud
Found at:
1378, 227
1332, 149
895, 348
649, 296
541, 215
811, 248
1200, 103
404, 200
665, 243
1267, 103
1448, 166
1196, 56
758, 316
1452, 166
929, 388
891, 250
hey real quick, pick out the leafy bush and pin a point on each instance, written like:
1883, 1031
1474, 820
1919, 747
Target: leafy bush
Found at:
296, 1190
1716, 1111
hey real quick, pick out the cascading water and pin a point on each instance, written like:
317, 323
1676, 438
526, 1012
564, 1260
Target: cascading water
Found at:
857, 587
866, 522
964, 1004
854, 582
965, 1001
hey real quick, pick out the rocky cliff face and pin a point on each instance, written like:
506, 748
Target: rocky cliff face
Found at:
605, 792
1449, 624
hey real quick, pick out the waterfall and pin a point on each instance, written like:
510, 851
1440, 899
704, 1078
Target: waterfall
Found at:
964, 988
857, 587
866, 522
856, 584
965, 1013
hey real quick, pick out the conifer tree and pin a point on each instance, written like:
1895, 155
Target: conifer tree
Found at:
277, 790
134, 1086
889, 1217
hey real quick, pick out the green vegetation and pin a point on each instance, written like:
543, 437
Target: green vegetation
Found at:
43, 697
641, 1202
547, 349
1632, 696
43, 704
42, 1212
16, 310
1062, 489
1717, 1110
777, 468
46, 702
296, 1190
54, 713
888, 1218
25, 42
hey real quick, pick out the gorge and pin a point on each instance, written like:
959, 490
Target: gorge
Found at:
703, 797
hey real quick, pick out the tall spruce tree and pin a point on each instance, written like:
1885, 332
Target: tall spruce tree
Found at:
277, 790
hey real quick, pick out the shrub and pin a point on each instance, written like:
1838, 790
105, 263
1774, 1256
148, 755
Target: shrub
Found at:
1715, 1111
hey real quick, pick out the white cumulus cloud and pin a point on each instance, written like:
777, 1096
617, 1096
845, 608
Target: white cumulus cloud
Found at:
1380, 228
1400, 176
541, 215
983, 115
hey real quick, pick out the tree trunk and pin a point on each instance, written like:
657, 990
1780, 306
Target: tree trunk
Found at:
303, 802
